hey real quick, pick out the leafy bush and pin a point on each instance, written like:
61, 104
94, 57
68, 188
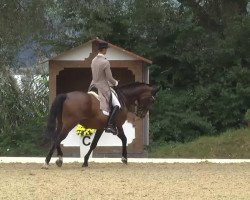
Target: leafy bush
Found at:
23, 108
173, 118
247, 115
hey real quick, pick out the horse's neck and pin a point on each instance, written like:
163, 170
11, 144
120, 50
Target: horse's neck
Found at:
130, 97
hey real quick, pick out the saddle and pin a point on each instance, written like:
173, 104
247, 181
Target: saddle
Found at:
94, 91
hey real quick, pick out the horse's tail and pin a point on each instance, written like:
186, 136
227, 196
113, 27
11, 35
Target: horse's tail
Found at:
55, 112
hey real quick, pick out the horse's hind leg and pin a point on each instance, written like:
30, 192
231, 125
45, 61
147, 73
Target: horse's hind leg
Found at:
49, 155
59, 161
64, 133
61, 136
93, 145
52, 149
123, 138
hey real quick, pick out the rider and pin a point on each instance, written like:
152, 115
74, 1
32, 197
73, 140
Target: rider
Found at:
102, 79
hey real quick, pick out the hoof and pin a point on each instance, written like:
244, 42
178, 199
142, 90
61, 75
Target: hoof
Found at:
59, 162
85, 165
124, 160
45, 166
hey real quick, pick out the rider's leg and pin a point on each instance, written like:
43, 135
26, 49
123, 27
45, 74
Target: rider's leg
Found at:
115, 101
111, 128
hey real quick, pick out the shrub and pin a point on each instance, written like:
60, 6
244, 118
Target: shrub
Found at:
247, 115
24, 108
172, 118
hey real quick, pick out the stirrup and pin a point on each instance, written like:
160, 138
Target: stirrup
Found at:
111, 129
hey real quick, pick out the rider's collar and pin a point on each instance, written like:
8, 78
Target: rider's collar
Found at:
100, 54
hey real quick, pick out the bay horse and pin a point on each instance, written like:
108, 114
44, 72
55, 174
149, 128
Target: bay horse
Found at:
70, 109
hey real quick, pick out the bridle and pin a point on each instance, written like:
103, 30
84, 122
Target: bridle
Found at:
139, 107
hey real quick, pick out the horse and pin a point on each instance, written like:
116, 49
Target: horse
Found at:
69, 109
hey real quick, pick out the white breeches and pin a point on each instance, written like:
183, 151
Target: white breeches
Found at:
115, 102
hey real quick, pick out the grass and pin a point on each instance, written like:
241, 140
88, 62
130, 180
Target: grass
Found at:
231, 144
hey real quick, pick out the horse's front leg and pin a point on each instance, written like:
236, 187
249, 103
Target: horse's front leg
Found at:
93, 145
123, 138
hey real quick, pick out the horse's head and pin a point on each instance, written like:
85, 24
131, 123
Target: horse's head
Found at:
139, 97
145, 100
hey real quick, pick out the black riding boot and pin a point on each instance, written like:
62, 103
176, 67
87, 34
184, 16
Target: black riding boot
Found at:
111, 128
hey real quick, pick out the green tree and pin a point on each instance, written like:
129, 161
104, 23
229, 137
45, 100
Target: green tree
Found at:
21, 21
209, 56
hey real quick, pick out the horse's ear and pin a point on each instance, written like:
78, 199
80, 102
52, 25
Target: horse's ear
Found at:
155, 90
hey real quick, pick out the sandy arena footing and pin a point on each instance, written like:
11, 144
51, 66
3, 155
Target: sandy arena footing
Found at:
118, 160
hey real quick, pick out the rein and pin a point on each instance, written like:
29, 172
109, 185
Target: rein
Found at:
122, 98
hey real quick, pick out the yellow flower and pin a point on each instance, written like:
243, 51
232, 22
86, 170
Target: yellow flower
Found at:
82, 131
